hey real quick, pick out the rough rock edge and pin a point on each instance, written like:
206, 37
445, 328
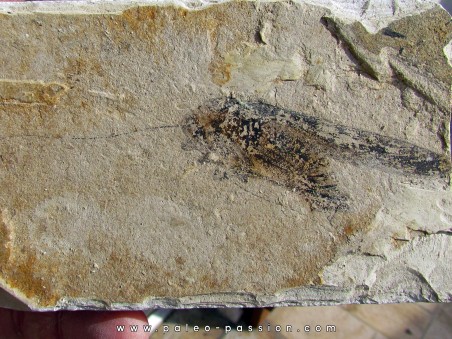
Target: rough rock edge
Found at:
373, 17
324, 295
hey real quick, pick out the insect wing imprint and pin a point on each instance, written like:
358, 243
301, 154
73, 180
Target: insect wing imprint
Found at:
294, 149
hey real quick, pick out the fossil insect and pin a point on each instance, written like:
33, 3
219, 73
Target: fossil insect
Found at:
295, 150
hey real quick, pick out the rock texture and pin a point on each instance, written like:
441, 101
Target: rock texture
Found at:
243, 153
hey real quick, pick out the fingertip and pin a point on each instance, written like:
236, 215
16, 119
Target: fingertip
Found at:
102, 324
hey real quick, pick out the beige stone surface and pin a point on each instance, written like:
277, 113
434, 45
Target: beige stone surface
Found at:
240, 154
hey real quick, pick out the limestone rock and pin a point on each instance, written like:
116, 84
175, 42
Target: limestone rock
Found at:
242, 153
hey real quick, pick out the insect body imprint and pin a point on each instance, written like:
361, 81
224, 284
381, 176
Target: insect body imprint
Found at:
295, 150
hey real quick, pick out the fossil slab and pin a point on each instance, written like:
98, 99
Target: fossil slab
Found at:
242, 153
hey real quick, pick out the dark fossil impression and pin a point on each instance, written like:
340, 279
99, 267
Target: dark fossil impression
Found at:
294, 149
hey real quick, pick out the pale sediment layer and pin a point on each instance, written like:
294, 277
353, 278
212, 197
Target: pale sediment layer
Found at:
240, 154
